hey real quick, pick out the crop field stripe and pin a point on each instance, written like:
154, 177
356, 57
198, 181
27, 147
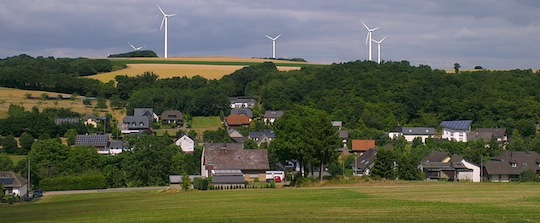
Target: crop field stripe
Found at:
229, 63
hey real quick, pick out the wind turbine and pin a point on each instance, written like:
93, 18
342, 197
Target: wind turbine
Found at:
369, 37
135, 48
165, 21
379, 48
273, 44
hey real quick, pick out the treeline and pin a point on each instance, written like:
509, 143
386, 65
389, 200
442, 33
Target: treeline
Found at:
149, 163
138, 53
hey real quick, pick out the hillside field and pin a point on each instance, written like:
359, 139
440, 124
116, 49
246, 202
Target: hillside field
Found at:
207, 67
10, 96
361, 202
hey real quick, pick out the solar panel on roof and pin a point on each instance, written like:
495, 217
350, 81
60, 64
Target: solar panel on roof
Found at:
7, 181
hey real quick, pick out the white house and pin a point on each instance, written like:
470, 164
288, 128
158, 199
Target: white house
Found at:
13, 183
410, 133
456, 130
271, 116
186, 144
241, 102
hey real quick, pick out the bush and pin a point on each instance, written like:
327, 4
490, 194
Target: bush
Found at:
200, 184
73, 183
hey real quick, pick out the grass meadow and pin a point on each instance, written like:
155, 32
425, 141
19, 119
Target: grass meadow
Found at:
361, 202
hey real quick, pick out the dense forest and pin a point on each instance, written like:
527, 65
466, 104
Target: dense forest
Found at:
137, 53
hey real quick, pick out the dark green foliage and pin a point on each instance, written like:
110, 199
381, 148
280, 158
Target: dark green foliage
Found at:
200, 184
71, 136
85, 182
138, 53
218, 136
528, 176
9, 144
26, 140
186, 183
5, 163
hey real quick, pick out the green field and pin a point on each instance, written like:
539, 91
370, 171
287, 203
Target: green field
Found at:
365, 202
16, 158
205, 122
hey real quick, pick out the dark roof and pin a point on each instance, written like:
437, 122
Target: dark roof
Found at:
11, 179
137, 122
231, 156
418, 131
92, 140
144, 112
268, 133
242, 99
228, 180
435, 156
273, 114
60, 121
118, 145
503, 164
366, 160
485, 136
457, 125
242, 111
240, 139
171, 115
496, 132
343, 134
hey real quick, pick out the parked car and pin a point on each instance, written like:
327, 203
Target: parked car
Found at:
37, 193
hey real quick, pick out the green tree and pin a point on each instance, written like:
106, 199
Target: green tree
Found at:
307, 135
186, 183
48, 159
6, 164
528, 176
71, 136
26, 140
101, 103
250, 144
9, 144
456, 67
385, 165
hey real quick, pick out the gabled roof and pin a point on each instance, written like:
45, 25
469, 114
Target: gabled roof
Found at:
495, 132
60, 121
237, 120
134, 122
171, 115
259, 134
522, 160
273, 114
417, 131
485, 136
242, 111
241, 99
143, 111
92, 140
457, 125
436, 156
366, 160
337, 123
12, 180
362, 145
231, 156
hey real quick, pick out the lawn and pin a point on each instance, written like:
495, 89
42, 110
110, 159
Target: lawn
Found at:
16, 158
199, 124
364, 202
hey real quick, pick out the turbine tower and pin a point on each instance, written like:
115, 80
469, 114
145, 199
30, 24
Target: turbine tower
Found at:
379, 48
135, 48
369, 37
165, 21
273, 45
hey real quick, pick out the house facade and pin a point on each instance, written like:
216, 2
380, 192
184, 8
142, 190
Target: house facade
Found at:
103, 144
456, 130
135, 125
508, 166
186, 144
14, 184
410, 133
363, 163
442, 166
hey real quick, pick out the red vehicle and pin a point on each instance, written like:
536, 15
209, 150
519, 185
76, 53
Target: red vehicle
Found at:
277, 179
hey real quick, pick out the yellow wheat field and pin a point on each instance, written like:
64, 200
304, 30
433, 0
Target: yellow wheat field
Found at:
212, 59
177, 70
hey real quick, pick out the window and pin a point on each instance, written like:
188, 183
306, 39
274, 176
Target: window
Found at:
514, 164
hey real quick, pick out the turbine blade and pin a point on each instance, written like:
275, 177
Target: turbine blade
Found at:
365, 25
269, 37
277, 37
169, 15
382, 39
374, 29
367, 38
161, 10
162, 21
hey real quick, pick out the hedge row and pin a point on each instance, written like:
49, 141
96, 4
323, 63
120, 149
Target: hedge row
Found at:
74, 183
200, 184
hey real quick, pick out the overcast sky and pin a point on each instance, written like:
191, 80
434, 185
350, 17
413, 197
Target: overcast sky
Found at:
495, 34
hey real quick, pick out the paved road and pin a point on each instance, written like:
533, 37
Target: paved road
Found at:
103, 190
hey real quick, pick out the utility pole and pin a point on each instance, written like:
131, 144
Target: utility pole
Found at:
28, 185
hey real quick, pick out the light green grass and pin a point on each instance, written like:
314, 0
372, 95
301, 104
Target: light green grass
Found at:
16, 158
370, 202
206, 122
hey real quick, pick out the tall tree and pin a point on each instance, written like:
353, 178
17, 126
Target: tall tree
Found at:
26, 140
6, 164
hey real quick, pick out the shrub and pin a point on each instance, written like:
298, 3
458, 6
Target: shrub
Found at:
74, 183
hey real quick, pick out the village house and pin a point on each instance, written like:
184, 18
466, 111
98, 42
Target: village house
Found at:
487, 134
237, 121
441, 166
241, 102
456, 130
361, 146
146, 112
172, 116
242, 111
270, 117
135, 125
221, 158
13, 183
260, 137
410, 133
364, 162
103, 144
186, 144
509, 165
